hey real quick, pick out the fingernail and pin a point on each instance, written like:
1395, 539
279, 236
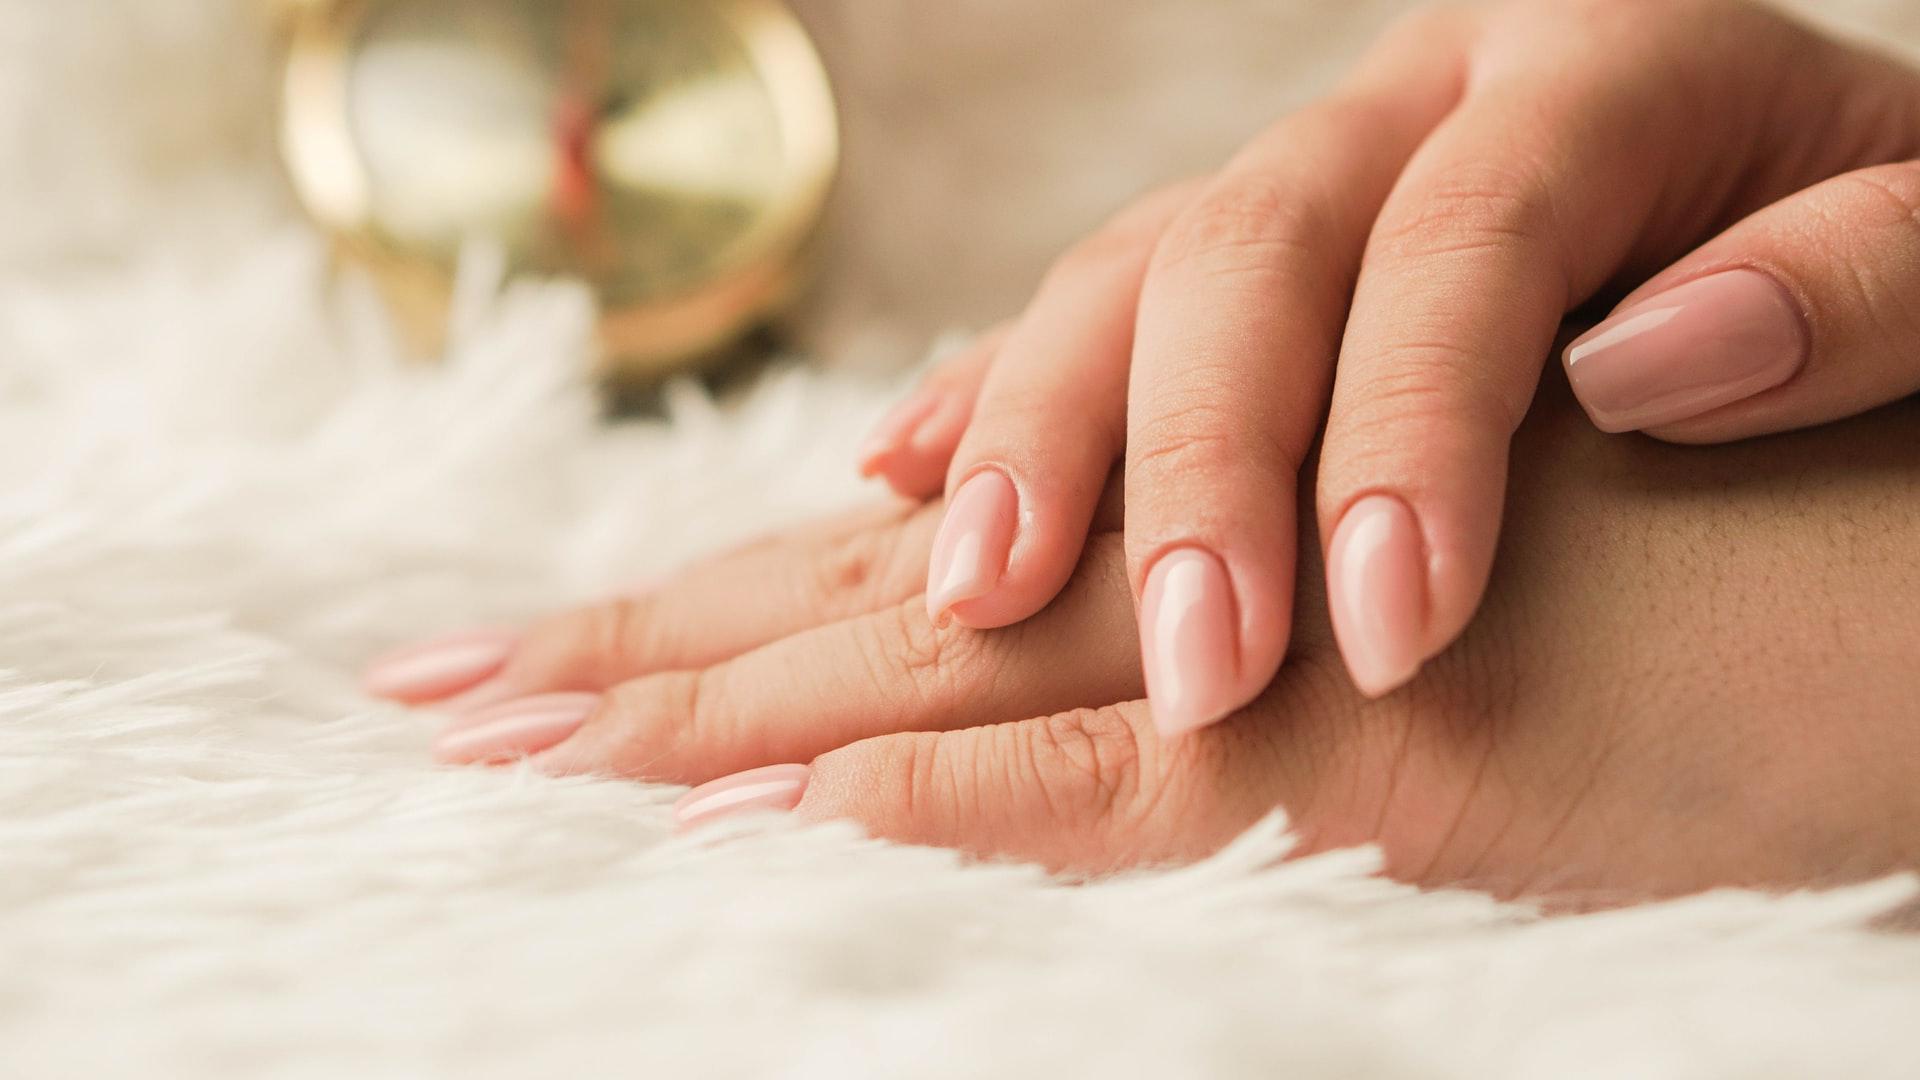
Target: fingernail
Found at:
774, 787
1377, 590
1695, 347
1189, 641
515, 729
473, 701
970, 550
896, 428
442, 666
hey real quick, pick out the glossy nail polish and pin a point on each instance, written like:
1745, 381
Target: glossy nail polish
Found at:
1683, 352
445, 665
970, 550
772, 788
896, 428
1377, 591
1189, 641
514, 729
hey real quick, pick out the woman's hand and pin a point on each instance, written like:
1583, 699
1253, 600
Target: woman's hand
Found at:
1661, 693
1402, 254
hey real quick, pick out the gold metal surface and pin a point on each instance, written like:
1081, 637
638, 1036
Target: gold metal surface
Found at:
676, 154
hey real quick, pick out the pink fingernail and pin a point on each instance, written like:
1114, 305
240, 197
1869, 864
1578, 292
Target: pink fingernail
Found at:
970, 550
471, 702
1695, 347
1189, 642
515, 729
1377, 589
445, 665
896, 428
774, 787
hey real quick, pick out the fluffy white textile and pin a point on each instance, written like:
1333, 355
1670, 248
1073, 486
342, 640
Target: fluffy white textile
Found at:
220, 491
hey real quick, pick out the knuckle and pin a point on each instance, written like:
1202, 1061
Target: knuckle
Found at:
1086, 764
655, 720
922, 767
1248, 225
1183, 452
1201, 433
850, 566
1428, 385
585, 646
932, 660
1867, 226
1469, 208
1890, 196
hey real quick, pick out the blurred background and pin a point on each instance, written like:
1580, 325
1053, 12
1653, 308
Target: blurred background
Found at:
979, 137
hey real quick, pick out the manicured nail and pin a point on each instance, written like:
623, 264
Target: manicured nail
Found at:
514, 729
970, 550
1695, 347
774, 787
445, 665
1377, 590
896, 428
1189, 642
475, 700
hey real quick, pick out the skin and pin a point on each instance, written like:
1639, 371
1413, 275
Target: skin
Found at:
1693, 668
1379, 276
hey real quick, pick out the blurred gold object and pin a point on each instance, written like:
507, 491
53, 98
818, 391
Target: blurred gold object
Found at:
675, 154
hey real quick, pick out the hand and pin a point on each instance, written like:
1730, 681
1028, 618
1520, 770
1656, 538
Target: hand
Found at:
1664, 691
1484, 171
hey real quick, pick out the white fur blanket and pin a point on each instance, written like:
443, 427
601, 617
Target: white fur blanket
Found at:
220, 492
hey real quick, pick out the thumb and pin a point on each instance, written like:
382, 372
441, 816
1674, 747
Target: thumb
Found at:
1807, 311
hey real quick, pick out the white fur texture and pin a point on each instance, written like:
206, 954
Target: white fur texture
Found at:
220, 492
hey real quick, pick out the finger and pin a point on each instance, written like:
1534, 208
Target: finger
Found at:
1083, 792
1239, 323
1063, 791
1805, 312
1047, 430
708, 612
1526, 199
913, 443
804, 695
